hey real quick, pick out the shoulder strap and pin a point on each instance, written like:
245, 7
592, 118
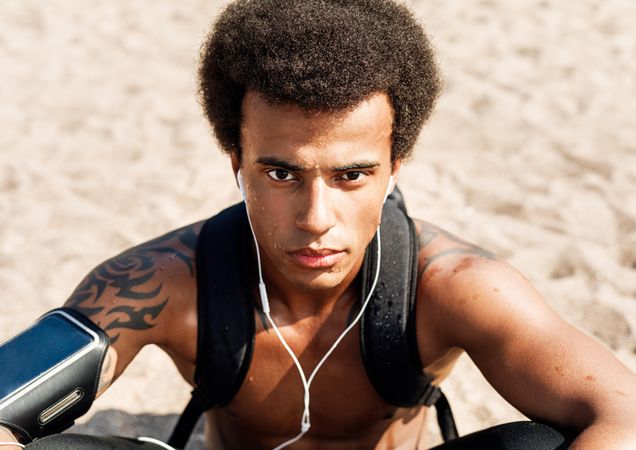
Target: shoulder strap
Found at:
225, 316
387, 330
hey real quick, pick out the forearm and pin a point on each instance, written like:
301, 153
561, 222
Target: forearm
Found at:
7, 436
606, 435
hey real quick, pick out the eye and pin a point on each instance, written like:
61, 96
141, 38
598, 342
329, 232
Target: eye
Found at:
280, 175
353, 176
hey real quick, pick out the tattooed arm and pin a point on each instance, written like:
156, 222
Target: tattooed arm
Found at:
139, 295
468, 300
145, 295
440, 253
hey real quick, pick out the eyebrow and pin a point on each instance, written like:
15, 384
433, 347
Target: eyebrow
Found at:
273, 161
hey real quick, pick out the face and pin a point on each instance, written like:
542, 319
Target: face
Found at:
315, 185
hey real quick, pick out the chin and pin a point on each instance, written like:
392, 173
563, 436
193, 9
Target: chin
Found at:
318, 282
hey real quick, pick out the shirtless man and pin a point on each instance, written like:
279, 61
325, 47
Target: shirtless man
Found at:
318, 103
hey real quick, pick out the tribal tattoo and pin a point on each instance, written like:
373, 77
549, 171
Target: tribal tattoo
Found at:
430, 232
131, 275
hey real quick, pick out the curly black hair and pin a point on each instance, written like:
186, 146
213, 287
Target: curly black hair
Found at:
321, 55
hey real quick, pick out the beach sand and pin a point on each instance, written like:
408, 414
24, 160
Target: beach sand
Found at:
531, 154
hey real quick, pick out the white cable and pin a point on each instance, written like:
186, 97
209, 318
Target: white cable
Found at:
17, 444
305, 422
156, 442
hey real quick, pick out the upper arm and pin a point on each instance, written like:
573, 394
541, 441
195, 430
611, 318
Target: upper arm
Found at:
133, 295
541, 364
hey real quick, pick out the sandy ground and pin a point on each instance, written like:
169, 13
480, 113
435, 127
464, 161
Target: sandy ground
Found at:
532, 154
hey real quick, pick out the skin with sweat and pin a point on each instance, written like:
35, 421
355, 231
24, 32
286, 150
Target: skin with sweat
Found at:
314, 185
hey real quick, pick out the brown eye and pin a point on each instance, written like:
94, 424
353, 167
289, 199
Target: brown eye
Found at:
280, 175
352, 176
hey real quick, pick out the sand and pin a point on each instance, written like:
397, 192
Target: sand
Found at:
531, 154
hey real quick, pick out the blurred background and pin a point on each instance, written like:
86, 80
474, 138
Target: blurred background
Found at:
531, 154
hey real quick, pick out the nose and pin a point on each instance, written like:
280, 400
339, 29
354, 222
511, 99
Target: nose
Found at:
316, 213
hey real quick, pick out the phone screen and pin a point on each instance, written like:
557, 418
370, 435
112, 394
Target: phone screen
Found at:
31, 353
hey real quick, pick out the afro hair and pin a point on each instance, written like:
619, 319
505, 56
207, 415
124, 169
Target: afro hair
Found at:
321, 55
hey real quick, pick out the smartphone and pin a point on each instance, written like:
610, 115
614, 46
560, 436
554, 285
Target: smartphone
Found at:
40, 352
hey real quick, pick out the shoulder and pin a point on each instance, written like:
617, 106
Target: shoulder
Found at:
136, 290
468, 296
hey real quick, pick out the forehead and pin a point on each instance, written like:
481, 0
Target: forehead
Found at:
284, 128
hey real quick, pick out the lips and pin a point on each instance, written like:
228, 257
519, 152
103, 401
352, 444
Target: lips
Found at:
316, 258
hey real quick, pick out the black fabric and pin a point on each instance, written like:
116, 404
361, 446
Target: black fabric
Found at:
225, 305
189, 417
514, 436
445, 419
82, 376
226, 325
387, 328
86, 442
510, 436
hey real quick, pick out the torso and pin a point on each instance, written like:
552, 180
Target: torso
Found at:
345, 407
346, 410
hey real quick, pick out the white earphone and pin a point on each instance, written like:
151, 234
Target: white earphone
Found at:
305, 422
389, 188
239, 180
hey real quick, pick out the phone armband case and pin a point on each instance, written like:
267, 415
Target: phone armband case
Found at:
49, 373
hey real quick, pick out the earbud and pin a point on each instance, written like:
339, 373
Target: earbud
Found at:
389, 188
239, 179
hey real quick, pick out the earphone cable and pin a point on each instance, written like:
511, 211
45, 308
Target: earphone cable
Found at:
305, 423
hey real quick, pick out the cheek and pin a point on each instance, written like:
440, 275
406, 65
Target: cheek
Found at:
274, 220
270, 221
362, 222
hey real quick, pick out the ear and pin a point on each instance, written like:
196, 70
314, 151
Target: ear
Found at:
236, 165
395, 170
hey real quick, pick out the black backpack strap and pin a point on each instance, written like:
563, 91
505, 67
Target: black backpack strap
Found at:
445, 419
225, 316
387, 329
197, 405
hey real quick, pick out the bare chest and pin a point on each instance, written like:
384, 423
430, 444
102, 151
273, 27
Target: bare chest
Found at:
343, 403
341, 392
345, 407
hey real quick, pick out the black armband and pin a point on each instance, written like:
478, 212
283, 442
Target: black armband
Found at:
50, 372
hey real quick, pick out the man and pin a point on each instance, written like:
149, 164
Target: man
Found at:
318, 103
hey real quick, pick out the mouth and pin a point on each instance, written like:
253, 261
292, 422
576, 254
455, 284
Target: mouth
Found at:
316, 258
